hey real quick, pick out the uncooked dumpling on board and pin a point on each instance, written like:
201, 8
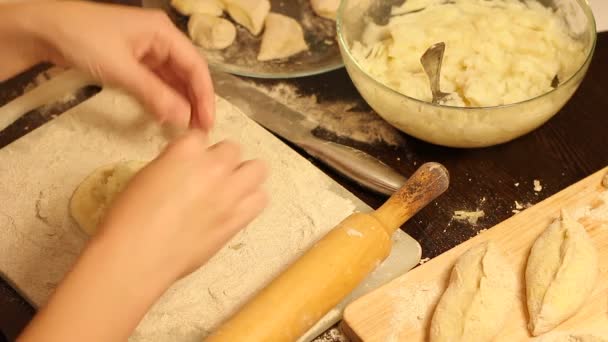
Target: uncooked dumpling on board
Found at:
211, 32
479, 297
282, 38
190, 7
561, 272
249, 13
97, 191
326, 8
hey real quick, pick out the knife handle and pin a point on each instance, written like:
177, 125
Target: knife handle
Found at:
355, 164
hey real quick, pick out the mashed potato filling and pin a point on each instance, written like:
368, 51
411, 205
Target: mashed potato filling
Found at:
497, 51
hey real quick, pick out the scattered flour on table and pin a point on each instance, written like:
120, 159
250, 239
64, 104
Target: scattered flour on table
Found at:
537, 186
424, 261
411, 306
597, 211
332, 335
470, 216
519, 207
342, 118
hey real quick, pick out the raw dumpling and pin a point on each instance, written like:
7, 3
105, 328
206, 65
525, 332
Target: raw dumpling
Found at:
282, 38
249, 13
326, 8
561, 272
210, 32
479, 297
95, 194
190, 7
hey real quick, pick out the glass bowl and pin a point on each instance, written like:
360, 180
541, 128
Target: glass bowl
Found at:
464, 127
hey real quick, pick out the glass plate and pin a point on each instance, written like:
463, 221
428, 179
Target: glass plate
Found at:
241, 57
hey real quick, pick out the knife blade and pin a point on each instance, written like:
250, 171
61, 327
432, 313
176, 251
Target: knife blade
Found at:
295, 127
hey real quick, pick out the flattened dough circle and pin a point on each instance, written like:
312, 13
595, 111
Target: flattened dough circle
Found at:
97, 191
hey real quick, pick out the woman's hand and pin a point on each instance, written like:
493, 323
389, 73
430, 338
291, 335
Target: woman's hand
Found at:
185, 205
136, 49
171, 218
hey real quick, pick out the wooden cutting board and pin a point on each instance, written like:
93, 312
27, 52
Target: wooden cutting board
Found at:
39, 241
401, 310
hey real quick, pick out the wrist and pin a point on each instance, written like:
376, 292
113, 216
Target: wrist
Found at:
126, 264
105, 288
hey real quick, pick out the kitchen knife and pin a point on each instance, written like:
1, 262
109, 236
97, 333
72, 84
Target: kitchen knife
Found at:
297, 128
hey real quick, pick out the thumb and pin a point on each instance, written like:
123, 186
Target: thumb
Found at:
164, 102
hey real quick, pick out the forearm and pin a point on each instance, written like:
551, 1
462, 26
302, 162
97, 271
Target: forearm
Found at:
102, 299
20, 46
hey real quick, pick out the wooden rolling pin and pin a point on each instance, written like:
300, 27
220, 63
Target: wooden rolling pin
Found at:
316, 282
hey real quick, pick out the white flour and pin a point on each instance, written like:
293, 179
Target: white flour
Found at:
332, 335
597, 211
470, 216
339, 117
412, 305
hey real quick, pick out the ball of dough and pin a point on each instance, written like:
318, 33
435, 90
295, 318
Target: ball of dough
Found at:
210, 32
283, 37
326, 8
97, 191
479, 297
190, 7
561, 272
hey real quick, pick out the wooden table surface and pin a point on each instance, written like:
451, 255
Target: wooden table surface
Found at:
569, 147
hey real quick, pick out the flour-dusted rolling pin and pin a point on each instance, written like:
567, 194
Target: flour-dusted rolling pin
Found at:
295, 300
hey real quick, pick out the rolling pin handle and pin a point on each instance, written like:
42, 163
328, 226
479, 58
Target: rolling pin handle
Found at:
426, 184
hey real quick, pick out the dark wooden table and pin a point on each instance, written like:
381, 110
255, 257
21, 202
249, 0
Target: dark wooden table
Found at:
568, 148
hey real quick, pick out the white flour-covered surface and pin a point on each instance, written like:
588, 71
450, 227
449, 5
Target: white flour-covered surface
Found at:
39, 241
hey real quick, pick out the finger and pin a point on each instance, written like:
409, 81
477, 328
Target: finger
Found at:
222, 159
244, 212
187, 146
195, 117
173, 81
176, 82
246, 179
165, 103
191, 66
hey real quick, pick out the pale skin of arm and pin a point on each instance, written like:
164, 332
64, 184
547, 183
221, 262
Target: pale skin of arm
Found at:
179, 210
